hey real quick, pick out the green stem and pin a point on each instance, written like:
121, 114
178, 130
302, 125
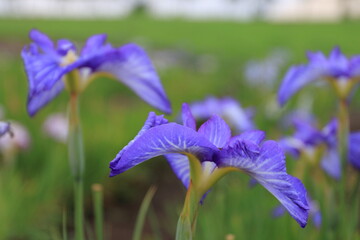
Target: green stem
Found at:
343, 136
187, 221
98, 210
76, 159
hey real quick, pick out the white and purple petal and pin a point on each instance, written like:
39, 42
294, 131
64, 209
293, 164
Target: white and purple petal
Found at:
268, 168
161, 140
216, 131
131, 65
181, 167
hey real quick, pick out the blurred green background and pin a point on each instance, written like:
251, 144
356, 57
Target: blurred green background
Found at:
36, 188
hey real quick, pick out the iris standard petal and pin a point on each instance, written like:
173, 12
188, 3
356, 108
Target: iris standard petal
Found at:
162, 140
295, 79
216, 131
255, 136
354, 149
93, 43
42, 41
188, 119
132, 66
268, 168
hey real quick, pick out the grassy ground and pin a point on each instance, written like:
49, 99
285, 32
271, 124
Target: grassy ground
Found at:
112, 115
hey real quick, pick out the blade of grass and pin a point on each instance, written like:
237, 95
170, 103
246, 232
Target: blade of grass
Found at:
142, 213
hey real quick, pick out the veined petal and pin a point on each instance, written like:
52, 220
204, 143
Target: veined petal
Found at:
162, 140
152, 120
4, 128
354, 149
255, 136
216, 131
187, 117
295, 79
268, 168
181, 167
132, 66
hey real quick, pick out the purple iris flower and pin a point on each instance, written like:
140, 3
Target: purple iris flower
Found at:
342, 72
228, 108
47, 65
218, 153
307, 138
4, 128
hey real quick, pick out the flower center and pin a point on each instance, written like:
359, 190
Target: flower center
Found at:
69, 58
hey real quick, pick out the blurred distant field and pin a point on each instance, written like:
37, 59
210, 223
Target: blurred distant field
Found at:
36, 188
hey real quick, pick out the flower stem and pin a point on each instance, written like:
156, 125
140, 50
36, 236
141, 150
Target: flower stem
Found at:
76, 159
343, 136
187, 221
98, 210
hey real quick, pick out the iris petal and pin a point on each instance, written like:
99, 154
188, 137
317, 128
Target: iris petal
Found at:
216, 131
354, 149
295, 79
256, 136
132, 66
268, 168
162, 140
180, 165
187, 117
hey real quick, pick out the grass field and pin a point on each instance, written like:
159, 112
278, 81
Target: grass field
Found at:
36, 187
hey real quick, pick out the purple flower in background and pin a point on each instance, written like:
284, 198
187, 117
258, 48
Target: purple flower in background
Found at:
218, 153
56, 127
47, 65
19, 139
342, 72
228, 108
4, 128
308, 138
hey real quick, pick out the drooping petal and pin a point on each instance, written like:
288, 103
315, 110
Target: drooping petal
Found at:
216, 131
162, 140
268, 168
180, 165
4, 128
188, 119
131, 65
295, 79
354, 149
